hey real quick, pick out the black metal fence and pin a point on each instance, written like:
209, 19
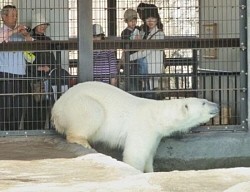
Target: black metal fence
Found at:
205, 57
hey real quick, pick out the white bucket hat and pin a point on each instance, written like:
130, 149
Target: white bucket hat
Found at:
97, 29
39, 19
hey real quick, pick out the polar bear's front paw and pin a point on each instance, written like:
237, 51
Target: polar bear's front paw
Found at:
86, 144
79, 140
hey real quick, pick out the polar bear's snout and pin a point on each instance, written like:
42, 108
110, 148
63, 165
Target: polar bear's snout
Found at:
214, 109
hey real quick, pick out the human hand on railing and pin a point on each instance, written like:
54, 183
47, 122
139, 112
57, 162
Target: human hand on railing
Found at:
43, 68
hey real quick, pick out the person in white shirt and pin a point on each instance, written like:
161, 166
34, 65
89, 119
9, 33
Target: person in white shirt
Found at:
154, 57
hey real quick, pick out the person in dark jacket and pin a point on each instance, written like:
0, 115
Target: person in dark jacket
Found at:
48, 78
44, 60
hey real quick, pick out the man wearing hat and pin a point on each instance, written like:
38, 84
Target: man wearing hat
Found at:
131, 32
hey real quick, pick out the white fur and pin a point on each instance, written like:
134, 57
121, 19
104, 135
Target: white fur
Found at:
98, 112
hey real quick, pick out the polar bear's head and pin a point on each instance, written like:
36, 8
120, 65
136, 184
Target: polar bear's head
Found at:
183, 114
197, 111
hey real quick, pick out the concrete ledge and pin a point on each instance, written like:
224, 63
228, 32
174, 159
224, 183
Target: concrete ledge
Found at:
207, 150
194, 151
204, 151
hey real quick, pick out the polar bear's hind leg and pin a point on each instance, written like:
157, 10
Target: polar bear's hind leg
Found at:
81, 129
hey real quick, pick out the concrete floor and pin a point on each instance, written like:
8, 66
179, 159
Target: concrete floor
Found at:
49, 163
38, 147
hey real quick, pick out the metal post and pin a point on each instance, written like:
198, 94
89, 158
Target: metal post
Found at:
85, 41
248, 59
243, 62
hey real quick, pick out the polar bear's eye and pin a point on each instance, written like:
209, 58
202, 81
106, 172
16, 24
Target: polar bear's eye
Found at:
186, 106
204, 103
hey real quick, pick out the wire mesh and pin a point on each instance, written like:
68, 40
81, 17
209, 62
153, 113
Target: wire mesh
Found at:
196, 53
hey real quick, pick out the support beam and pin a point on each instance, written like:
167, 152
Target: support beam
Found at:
85, 40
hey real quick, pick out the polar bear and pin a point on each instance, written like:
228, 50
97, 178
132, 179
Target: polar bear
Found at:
98, 112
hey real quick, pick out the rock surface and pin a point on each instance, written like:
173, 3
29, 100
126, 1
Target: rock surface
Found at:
59, 169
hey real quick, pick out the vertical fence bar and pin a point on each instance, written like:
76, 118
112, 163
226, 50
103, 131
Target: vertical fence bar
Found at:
112, 25
248, 60
243, 62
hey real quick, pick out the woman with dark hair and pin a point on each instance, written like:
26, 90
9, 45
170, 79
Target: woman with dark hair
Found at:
146, 10
151, 29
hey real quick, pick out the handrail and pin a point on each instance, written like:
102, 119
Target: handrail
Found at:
167, 43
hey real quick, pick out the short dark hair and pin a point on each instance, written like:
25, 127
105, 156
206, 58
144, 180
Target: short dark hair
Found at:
6, 9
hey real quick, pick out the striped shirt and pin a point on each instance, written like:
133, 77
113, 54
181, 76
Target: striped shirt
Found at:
105, 65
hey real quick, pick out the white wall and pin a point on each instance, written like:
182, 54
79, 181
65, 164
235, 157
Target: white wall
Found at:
226, 14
